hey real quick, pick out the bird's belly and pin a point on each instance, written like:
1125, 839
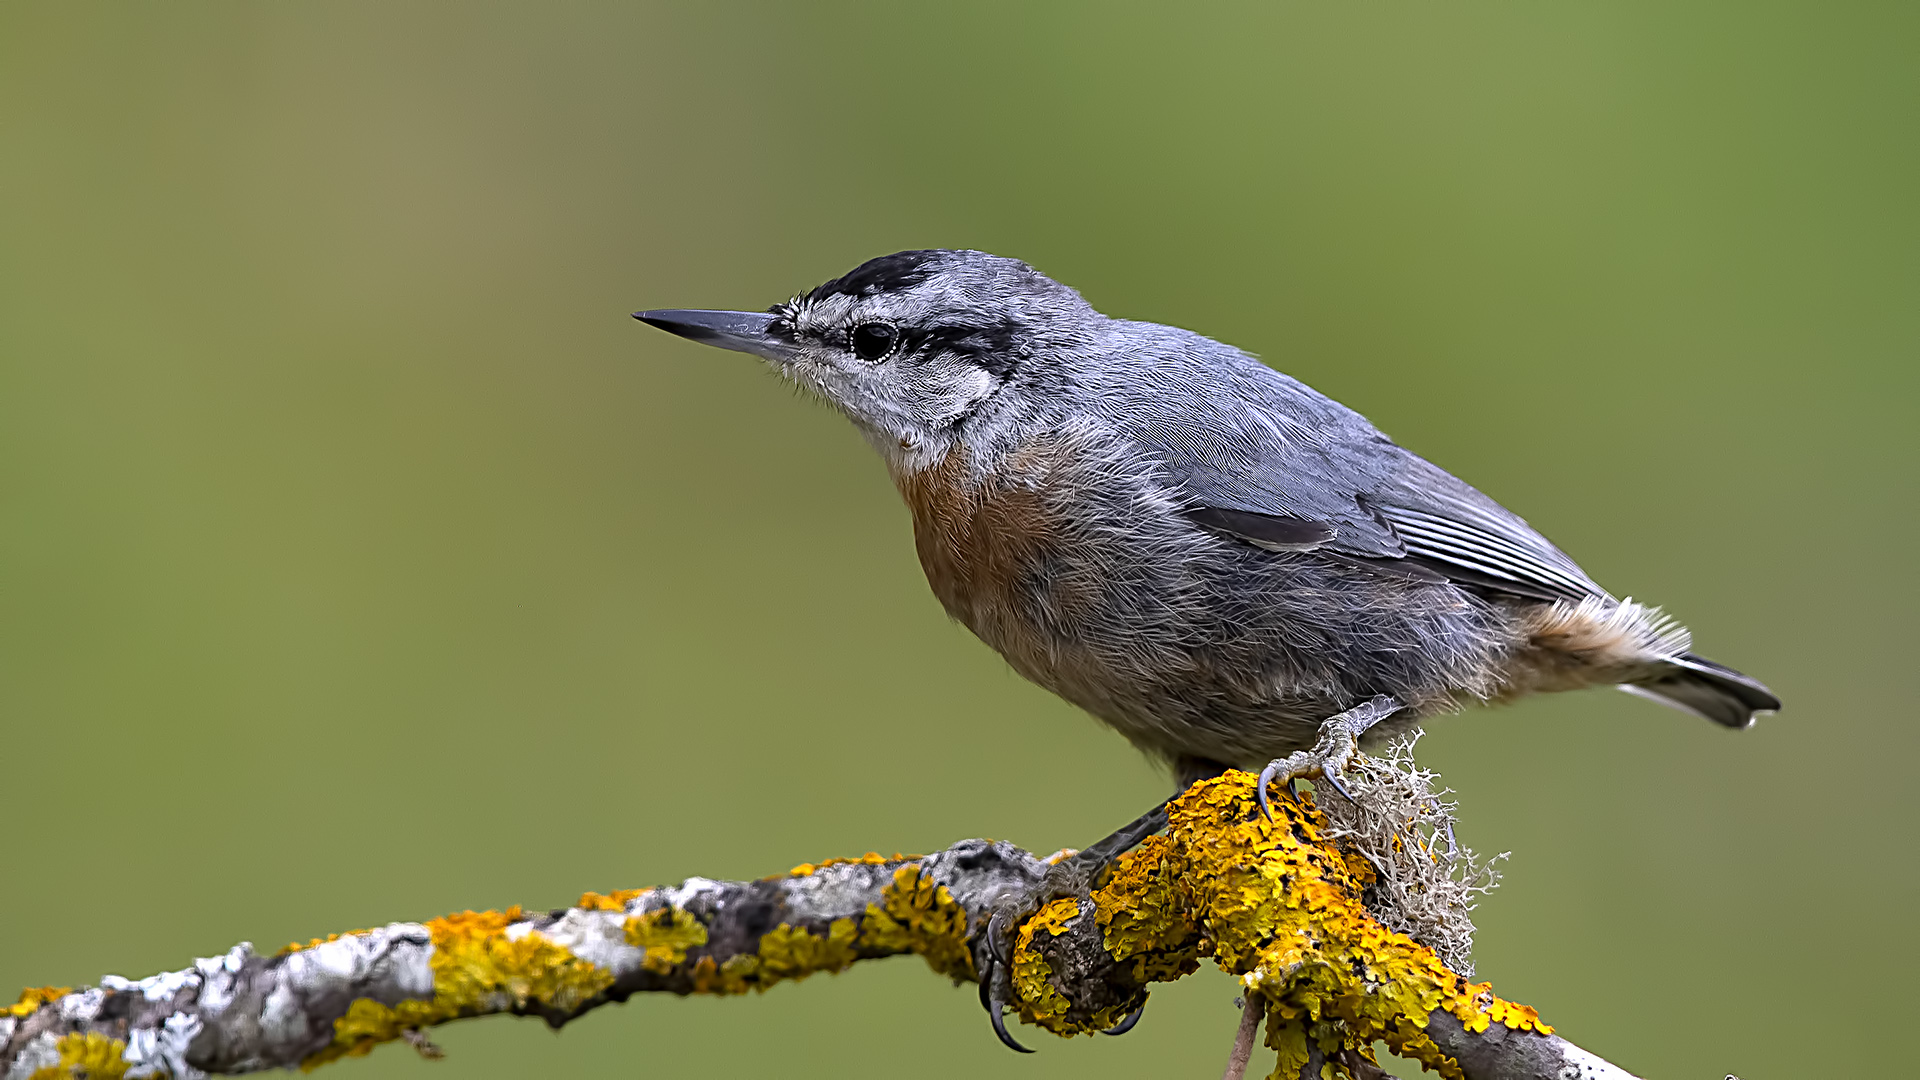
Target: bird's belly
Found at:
1169, 705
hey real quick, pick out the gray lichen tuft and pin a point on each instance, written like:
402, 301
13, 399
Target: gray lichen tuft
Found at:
1428, 885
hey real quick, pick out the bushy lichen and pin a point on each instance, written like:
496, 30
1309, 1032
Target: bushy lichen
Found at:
1397, 836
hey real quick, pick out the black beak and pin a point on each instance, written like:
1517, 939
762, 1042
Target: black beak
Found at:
741, 331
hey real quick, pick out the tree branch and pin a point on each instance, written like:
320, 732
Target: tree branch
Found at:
1273, 902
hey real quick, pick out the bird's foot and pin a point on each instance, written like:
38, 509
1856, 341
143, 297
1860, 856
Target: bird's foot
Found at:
1075, 876
1328, 757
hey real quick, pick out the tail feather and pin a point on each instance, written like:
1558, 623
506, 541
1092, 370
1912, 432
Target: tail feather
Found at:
1697, 685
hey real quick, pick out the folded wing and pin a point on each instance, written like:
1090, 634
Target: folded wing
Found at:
1283, 467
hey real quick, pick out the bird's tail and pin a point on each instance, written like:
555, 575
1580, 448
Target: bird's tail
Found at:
1697, 685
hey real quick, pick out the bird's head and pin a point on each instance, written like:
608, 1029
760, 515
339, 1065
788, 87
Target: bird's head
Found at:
908, 346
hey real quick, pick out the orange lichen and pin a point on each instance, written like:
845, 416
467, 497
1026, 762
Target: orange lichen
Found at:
871, 858
1278, 904
737, 976
313, 943
473, 961
1283, 908
918, 915
88, 1056
1479, 1008
616, 900
476, 969
1142, 911
35, 996
1358, 868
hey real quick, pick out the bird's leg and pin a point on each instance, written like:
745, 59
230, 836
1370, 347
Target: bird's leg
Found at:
1074, 876
1339, 737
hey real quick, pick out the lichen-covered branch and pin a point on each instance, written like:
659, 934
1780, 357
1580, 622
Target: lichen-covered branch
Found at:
1277, 903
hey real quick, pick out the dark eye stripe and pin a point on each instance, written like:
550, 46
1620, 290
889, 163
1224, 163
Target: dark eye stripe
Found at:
992, 347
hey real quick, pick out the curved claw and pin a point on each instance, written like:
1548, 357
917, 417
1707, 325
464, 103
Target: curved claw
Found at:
1332, 777
1069, 878
993, 979
1266, 777
995, 1003
1126, 1025
1338, 741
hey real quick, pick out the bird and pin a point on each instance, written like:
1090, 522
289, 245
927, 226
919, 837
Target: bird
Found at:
1223, 565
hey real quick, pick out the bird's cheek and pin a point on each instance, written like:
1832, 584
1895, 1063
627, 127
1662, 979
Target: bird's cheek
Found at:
946, 400
818, 379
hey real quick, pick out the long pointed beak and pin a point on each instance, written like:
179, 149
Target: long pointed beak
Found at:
741, 331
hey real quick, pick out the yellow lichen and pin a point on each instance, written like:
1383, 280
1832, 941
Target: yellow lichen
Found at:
1273, 901
1040, 1001
476, 969
1289, 1039
785, 952
666, 935
1283, 908
88, 1056
368, 1023
474, 962
918, 915
737, 976
1277, 903
790, 952
1142, 911
35, 996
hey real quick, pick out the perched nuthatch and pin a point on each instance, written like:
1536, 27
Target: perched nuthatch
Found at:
1202, 552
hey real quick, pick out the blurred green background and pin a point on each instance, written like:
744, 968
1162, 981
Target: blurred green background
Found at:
360, 559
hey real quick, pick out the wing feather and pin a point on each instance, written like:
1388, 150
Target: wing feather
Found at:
1239, 438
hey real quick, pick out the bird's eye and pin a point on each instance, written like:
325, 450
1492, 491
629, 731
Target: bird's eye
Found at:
873, 341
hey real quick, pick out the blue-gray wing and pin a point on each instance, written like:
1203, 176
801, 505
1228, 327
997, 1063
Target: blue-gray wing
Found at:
1262, 456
